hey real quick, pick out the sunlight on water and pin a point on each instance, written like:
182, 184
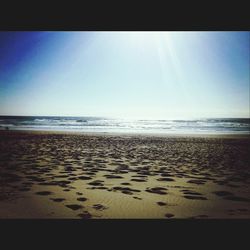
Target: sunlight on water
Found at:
99, 124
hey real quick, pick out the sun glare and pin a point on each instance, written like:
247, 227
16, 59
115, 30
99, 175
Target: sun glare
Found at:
145, 38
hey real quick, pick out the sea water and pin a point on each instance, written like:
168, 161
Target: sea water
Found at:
102, 124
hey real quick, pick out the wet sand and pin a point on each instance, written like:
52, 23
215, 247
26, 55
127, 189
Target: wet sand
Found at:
73, 175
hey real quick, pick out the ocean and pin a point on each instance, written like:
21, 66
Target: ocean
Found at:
101, 124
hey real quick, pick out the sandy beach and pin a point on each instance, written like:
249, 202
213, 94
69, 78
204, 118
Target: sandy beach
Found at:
102, 176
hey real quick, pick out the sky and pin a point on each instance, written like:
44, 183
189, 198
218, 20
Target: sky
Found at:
152, 75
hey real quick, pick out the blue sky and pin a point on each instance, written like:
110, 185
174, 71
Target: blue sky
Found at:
125, 74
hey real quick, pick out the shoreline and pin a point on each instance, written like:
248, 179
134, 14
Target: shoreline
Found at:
135, 134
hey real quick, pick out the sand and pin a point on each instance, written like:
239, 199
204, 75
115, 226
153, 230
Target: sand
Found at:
102, 176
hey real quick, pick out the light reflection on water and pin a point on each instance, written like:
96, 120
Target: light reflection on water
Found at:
100, 124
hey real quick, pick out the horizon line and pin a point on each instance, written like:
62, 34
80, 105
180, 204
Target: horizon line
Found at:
116, 117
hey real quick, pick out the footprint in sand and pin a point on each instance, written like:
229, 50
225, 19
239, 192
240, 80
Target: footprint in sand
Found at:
96, 183
74, 206
85, 215
99, 207
168, 215
157, 190
137, 198
189, 192
72, 178
165, 179
82, 199
102, 188
138, 180
44, 193
194, 197
160, 203
125, 190
58, 199
113, 176
84, 178
126, 184
198, 182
